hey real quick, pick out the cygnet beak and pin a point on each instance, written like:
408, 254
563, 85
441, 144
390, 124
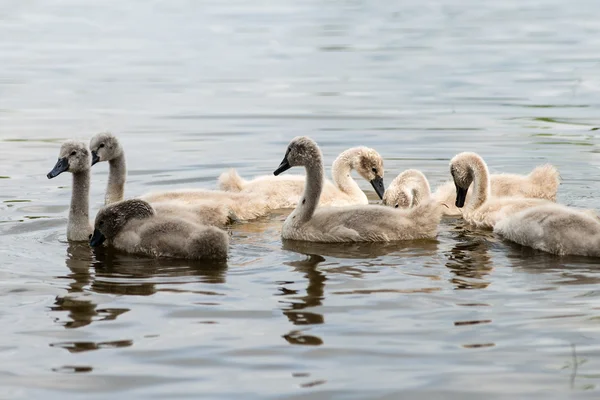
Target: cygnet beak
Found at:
284, 166
461, 196
95, 158
61, 166
379, 186
97, 238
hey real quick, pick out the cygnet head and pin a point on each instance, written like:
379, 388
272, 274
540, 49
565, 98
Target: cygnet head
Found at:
302, 151
105, 147
369, 164
407, 190
74, 157
111, 219
462, 169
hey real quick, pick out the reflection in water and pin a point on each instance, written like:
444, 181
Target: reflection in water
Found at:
82, 310
70, 369
466, 323
569, 270
110, 272
294, 305
78, 347
469, 260
332, 70
119, 273
478, 345
362, 250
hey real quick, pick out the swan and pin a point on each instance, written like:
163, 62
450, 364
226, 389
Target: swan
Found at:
237, 206
106, 147
411, 187
555, 229
134, 227
482, 209
74, 157
285, 191
209, 205
204, 212
361, 223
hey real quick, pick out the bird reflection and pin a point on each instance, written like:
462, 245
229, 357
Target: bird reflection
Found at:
469, 260
362, 250
569, 270
79, 347
108, 272
119, 273
79, 305
315, 292
316, 279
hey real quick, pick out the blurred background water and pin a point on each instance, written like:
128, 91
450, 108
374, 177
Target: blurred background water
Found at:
195, 87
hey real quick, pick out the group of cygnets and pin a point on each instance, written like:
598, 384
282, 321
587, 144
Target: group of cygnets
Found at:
189, 223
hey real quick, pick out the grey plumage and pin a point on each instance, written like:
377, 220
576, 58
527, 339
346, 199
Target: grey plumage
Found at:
555, 229
210, 207
134, 227
285, 191
74, 157
368, 223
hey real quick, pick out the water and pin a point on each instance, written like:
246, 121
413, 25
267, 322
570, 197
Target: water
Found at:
193, 88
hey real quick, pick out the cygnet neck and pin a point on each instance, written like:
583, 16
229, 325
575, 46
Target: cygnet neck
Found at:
117, 175
312, 190
79, 222
419, 189
342, 173
481, 183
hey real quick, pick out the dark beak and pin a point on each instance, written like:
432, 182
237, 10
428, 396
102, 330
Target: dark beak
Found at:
284, 166
378, 185
95, 158
61, 166
461, 196
97, 238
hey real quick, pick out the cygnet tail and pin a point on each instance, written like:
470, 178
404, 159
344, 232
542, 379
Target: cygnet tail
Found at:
209, 244
230, 181
426, 216
547, 178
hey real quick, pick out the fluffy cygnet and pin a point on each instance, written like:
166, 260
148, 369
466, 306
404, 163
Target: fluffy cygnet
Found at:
555, 229
411, 187
285, 191
211, 207
134, 227
74, 157
482, 209
352, 223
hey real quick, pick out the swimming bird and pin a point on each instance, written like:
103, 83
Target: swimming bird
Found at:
285, 191
411, 187
211, 206
74, 157
482, 209
134, 227
554, 228
106, 147
361, 223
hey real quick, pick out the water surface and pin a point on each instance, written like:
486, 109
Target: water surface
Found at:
195, 87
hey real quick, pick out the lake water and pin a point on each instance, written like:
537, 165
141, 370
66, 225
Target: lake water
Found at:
195, 87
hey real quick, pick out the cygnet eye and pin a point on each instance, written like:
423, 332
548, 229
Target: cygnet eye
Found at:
396, 206
374, 170
90, 237
100, 223
73, 153
101, 145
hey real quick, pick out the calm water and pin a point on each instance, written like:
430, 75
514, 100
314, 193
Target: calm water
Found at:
194, 87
